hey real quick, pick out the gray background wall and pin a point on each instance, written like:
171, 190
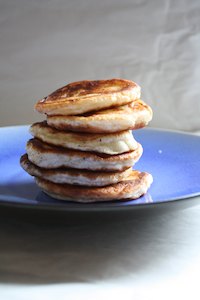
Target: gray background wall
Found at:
48, 43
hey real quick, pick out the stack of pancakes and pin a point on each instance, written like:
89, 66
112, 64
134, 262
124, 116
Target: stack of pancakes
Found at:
85, 149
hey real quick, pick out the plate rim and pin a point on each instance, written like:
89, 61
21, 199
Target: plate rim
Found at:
86, 208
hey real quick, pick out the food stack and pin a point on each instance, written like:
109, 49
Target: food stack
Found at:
84, 151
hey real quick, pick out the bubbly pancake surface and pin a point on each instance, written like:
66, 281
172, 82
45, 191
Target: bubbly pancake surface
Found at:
134, 115
133, 187
85, 96
113, 143
48, 156
74, 176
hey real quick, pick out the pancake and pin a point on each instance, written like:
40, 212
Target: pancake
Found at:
130, 116
113, 143
47, 156
84, 96
133, 187
74, 176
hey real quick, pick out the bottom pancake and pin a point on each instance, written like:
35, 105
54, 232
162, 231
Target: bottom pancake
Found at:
133, 187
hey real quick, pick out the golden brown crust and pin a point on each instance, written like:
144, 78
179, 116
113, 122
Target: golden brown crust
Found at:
131, 188
83, 96
47, 156
134, 115
90, 87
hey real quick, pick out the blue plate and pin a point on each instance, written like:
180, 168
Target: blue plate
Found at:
172, 158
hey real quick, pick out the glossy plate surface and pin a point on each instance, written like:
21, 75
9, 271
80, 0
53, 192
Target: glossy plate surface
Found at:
172, 158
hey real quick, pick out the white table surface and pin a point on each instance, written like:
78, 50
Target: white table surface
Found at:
46, 44
153, 255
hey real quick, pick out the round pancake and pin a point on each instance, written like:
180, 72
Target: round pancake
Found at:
83, 96
47, 156
113, 143
133, 187
74, 176
134, 115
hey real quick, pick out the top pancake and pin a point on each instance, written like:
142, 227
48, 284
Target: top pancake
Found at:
84, 96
